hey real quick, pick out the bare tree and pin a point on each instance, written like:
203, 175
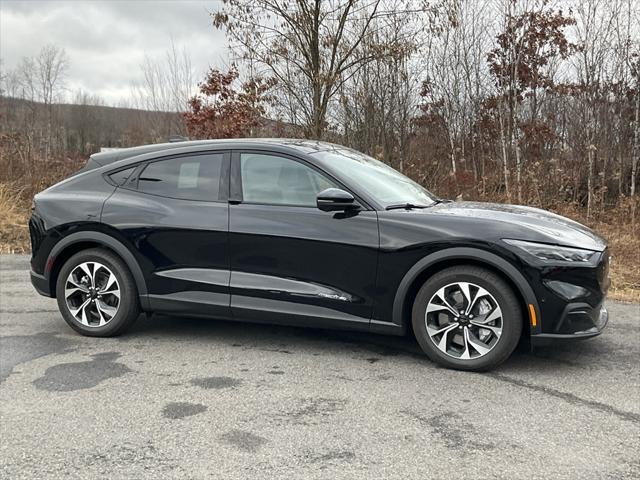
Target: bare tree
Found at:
51, 67
11, 84
310, 47
454, 85
42, 79
167, 85
26, 74
84, 123
378, 102
531, 38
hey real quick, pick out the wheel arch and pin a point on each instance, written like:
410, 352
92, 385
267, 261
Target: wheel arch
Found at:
435, 262
76, 242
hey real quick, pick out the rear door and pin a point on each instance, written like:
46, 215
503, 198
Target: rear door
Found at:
291, 262
173, 213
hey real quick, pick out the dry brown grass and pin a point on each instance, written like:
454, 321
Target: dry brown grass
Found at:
20, 180
616, 226
624, 245
14, 216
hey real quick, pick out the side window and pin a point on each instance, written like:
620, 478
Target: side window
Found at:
272, 179
188, 178
121, 176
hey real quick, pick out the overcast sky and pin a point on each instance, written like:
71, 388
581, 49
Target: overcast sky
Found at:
106, 41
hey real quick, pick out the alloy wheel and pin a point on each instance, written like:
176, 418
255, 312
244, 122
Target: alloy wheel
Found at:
464, 320
92, 294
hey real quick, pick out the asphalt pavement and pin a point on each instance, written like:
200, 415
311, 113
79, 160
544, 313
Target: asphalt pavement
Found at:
195, 398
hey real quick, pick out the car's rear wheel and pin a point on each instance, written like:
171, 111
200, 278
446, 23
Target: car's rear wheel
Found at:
467, 318
96, 294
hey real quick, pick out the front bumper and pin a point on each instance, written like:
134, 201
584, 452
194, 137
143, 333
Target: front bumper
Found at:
579, 321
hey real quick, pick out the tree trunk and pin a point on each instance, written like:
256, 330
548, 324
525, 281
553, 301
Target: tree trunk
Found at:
317, 120
503, 143
591, 150
474, 156
453, 156
518, 171
635, 154
636, 146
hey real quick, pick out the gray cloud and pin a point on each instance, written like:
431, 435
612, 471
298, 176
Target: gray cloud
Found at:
106, 41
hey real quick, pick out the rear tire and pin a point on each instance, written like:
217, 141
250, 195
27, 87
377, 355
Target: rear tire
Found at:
96, 294
467, 318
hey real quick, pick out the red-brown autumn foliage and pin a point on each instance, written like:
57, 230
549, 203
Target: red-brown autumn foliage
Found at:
222, 111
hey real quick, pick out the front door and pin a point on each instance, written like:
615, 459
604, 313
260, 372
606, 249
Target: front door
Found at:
291, 262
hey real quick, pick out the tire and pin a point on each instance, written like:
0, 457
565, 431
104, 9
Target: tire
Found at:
466, 345
104, 315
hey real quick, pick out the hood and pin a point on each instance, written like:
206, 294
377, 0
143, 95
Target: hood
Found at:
524, 223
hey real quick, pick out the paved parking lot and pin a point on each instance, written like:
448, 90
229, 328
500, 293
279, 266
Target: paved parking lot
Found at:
189, 398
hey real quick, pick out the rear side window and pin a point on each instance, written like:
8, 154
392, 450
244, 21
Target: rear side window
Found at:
120, 177
188, 178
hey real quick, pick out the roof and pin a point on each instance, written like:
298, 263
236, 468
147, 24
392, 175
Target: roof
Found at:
300, 145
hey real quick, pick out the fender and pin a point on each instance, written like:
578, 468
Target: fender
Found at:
458, 253
109, 242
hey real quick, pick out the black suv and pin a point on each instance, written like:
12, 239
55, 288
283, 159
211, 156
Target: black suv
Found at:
311, 234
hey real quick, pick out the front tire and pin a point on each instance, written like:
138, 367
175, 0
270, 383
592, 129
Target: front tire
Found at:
467, 318
96, 294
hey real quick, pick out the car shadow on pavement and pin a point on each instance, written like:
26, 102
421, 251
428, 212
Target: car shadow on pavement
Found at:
257, 335
300, 339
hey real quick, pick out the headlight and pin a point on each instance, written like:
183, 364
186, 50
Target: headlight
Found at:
554, 253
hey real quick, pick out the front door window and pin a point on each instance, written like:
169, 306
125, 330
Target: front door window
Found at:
275, 180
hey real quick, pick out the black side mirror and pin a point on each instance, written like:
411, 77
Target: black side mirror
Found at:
335, 200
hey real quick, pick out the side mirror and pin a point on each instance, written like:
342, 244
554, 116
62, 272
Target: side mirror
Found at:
335, 200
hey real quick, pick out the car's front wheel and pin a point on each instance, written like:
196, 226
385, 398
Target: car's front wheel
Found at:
96, 294
467, 318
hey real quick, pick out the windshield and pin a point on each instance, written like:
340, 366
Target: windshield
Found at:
379, 180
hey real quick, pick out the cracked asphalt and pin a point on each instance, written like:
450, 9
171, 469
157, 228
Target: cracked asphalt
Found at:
185, 398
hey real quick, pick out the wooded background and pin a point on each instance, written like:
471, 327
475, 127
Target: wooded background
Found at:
530, 101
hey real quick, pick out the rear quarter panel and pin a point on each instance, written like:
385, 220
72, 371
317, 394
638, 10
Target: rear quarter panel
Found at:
72, 205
